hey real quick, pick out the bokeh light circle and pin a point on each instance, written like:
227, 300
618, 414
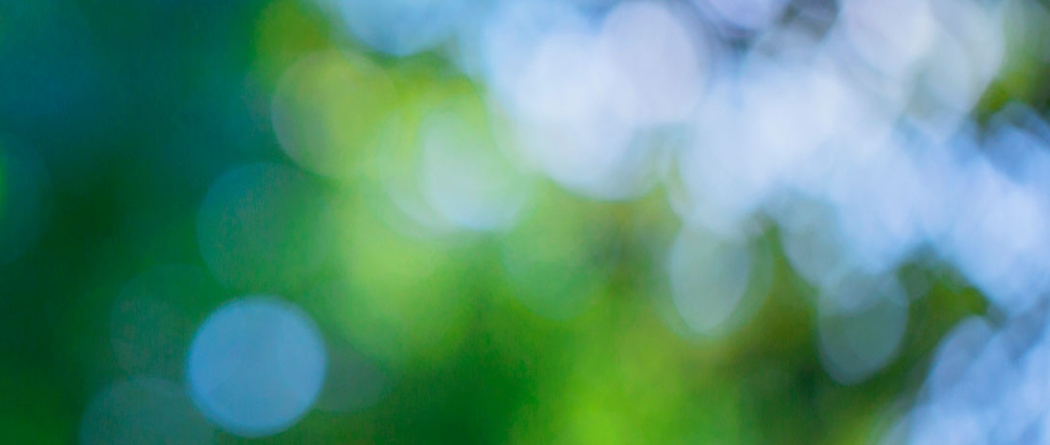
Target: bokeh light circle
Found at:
709, 278
325, 111
659, 58
861, 324
465, 179
256, 366
442, 165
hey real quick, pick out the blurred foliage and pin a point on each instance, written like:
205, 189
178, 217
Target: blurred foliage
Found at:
136, 108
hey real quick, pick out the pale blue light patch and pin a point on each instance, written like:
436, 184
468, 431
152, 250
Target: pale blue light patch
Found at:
465, 178
256, 366
987, 385
1000, 239
744, 14
401, 27
709, 279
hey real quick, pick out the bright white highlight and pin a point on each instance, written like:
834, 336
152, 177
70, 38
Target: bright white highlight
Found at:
581, 96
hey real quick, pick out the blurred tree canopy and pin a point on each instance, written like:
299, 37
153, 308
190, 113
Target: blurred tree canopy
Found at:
123, 117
